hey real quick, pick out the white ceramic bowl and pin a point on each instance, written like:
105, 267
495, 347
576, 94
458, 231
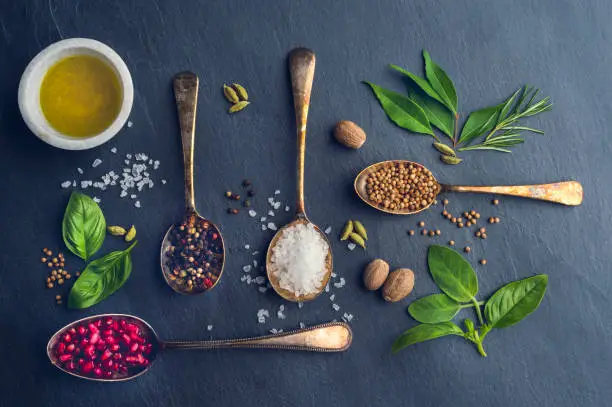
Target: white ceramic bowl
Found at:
29, 92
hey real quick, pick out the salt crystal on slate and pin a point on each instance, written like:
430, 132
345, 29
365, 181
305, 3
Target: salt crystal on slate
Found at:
302, 325
155, 164
209, 328
273, 331
328, 230
114, 150
260, 280
341, 283
243, 278
247, 247
96, 199
254, 263
286, 208
277, 192
96, 162
277, 205
327, 288
332, 297
129, 123
133, 196
300, 304
351, 246
252, 213
264, 227
271, 200
270, 213
263, 219
262, 289
336, 307
137, 204
334, 275
255, 253
272, 226
66, 184
247, 268
123, 193
164, 181
80, 170
129, 156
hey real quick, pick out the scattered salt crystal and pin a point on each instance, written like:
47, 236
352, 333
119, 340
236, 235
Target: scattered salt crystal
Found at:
252, 213
332, 297
277, 192
302, 325
155, 164
270, 213
261, 320
114, 150
263, 219
262, 289
73, 184
128, 156
281, 315
247, 247
254, 263
248, 279
281, 307
96, 199
96, 162
271, 200
336, 307
263, 313
255, 253
286, 208
260, 280
347, 317
277, 205
137, 204
127, 162
80, 170
299, 259
130, 124
264, 227
351, 246
272, 226
328, 230
327, 288
273, 331
300, 304
247, 268
85, 184
340, 283
150, 161
243, 278
123, 193
66, 184
334, 275
133, 196
209, 328
164, 181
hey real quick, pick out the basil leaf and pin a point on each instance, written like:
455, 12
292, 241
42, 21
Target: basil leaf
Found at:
84, 226
101, 278
420, 82
402, 111
478, 123
425, 332
437, 113
441, 83
514, 301
452, 273
434, 308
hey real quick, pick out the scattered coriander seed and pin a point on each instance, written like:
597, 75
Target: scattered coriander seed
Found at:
445, 201
424, 232
78, 273
459, 220
451, 243
473, 212
411, 232
438, 232
478, 234
484, 236
59, 302
483, 261
432, 233
496, 202
49, 253
49, 264
449, 216
444, 212
60, 281
497, 220
454, 220
68, 276
465, 214
421, 224
49, 285
44, 250
467, 249
228, 194
482, 230
477, 216
58, 297
43, 259
491, 220
460, 225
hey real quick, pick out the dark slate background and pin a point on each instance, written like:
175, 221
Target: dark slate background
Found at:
559, 356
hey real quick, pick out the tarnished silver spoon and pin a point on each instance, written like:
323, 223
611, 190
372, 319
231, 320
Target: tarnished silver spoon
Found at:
191, 278
330, 337
301, 68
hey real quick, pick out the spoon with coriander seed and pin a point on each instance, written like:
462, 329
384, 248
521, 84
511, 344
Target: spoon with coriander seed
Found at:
402, 187
299, 258
192, 252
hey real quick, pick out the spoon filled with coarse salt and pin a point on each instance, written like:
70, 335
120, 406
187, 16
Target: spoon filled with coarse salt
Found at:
299, 258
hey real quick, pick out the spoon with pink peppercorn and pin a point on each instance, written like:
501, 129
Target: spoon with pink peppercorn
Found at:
119, 347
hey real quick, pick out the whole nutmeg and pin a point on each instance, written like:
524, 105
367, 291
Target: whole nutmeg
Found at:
349, 134
398, 285
375, 274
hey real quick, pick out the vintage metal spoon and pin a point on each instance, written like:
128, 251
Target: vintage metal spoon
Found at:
186, 95
301, 68
330, 337
566, 193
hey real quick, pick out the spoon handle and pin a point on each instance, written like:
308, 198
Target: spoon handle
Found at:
301, 68
330, 337
566, 193
186, 96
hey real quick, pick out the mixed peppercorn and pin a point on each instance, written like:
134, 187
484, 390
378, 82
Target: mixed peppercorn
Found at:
194, 258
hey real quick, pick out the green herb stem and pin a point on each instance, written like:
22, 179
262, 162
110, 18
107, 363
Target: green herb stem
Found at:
478, 312
456, 130
478, 342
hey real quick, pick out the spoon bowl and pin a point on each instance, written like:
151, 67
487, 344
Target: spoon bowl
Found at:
271, 267
190, 276
327, 338
568, 193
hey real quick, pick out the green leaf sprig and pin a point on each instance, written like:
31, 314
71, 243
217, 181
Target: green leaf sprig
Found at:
432, 102
459, 284
83, 231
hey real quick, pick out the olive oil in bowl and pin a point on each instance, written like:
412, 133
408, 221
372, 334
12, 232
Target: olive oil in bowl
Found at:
80, 96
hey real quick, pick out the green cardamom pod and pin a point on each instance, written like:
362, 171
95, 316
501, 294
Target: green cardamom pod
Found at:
116, 230
348, 229
358, 240
444, 149
241, 91
236, 107
131, 234
230, 94
447, 159
361, 231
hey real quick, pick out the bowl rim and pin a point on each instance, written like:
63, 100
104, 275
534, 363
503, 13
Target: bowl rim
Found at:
32, 78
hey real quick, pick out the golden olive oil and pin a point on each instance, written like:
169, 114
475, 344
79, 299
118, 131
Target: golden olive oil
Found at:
80, 96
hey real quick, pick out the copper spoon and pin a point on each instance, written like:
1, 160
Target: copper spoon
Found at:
330, 337
301, 68
566, 193
186, 95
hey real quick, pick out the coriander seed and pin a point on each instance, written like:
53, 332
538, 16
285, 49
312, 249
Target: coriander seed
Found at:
438, 232
497, 220
496, 202
445, 201
424, 232
421, 224
483, 261
411, 232
491, 220
467, 249
482, 230
451, 243
432, 233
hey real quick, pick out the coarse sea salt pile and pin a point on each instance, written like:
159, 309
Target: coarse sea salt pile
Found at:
299, 259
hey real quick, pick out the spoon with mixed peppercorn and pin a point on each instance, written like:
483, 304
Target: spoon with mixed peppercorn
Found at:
192, 252
404, 187
119, 347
